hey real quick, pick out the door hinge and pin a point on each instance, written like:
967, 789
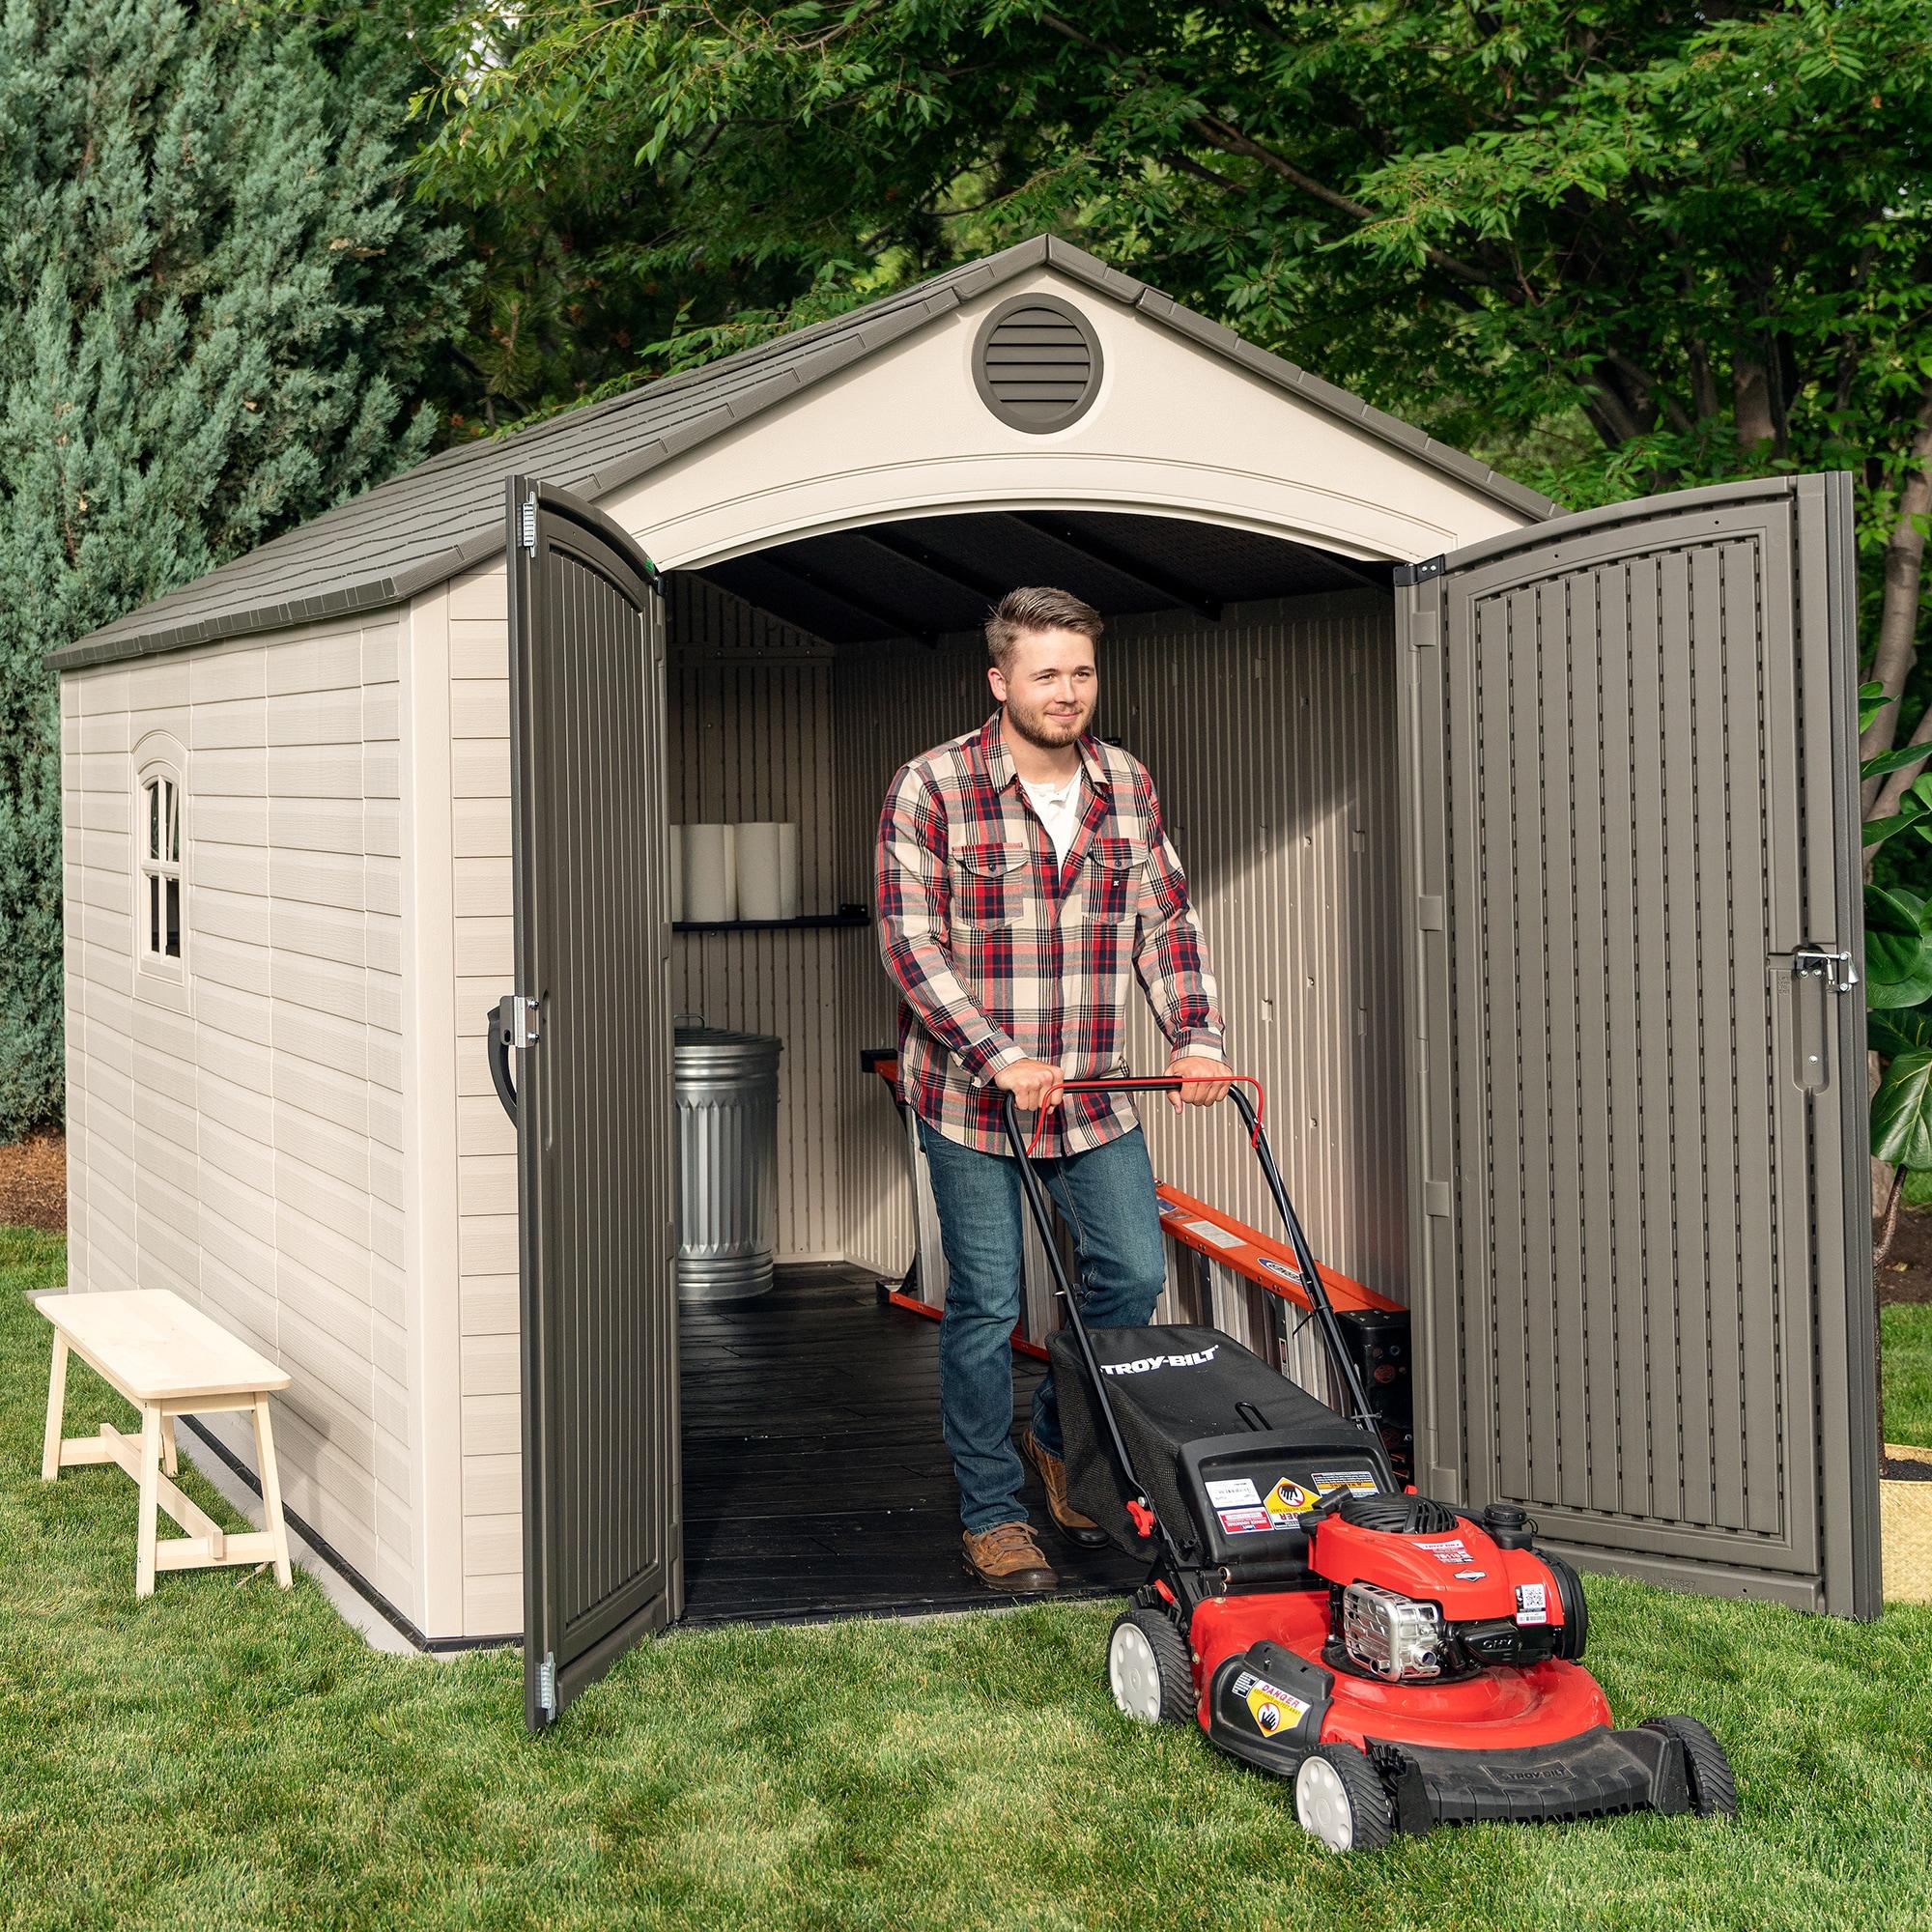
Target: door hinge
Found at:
1429, 912
516, 1020
1421, 573
529, 523
1832, 966
547, 1684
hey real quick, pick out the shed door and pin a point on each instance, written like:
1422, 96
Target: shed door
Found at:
602, 1558
1639, 1128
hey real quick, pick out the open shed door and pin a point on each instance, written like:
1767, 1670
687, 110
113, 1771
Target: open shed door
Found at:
1638, 1091
602, 1553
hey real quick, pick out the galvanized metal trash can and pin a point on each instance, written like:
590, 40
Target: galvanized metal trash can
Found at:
726, 1088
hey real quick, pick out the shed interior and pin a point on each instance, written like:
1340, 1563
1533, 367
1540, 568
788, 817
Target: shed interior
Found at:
1254, 679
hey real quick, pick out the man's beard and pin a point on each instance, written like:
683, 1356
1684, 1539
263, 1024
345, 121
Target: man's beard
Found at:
1048, 733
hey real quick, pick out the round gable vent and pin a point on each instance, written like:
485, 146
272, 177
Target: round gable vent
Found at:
1037, 363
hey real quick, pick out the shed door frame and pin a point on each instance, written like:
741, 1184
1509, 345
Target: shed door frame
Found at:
602, 1533
1803, 665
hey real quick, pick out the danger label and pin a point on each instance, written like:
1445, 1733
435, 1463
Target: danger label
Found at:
1292, 1498
1272, 1709
1452, 1550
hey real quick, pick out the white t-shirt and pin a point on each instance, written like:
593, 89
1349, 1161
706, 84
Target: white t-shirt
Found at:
1060, 809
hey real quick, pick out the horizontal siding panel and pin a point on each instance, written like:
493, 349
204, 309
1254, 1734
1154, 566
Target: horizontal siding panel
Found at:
490, 1365
493, 1485
479, 707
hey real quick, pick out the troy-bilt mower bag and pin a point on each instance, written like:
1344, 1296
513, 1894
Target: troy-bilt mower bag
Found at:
1177, 1393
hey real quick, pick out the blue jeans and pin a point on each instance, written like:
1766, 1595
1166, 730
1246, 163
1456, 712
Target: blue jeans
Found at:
1107, 1198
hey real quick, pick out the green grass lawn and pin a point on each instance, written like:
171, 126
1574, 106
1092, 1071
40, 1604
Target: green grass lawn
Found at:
1906, 1329
225, 1756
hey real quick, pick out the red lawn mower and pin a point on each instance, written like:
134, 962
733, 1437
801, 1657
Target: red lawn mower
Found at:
1402, 1662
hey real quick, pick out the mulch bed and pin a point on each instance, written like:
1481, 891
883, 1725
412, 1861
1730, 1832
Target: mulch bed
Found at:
1906, 1272
33, 1183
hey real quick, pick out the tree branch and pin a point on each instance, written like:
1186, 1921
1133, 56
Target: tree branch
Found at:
1230, 140
1896, 649
1892, 790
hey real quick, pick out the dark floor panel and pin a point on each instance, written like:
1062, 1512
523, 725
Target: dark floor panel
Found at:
815, 1480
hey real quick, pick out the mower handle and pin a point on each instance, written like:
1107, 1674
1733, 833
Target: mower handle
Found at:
1339, 1361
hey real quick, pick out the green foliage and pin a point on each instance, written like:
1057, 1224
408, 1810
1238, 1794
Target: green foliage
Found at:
216, 302
1642, 245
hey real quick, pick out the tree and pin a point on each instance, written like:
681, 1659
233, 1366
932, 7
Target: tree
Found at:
216, 298
1615, 247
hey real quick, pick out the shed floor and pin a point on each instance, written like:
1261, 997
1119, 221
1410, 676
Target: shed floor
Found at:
817, 1484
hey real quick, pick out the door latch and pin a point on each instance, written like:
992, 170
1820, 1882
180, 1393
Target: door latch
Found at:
516, 1020
1833, 967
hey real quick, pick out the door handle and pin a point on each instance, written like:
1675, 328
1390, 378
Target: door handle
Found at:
512, 1022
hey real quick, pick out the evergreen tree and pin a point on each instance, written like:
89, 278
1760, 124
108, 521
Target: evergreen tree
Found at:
215, 296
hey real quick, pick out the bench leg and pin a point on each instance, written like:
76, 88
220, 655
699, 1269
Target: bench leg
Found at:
50, 1443
145, 1525
271, 1489
170, 1457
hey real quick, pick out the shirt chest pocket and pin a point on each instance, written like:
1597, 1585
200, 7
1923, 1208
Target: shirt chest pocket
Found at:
1109, 875
988, 883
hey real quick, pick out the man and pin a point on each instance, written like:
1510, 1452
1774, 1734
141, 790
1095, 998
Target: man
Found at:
1023, 877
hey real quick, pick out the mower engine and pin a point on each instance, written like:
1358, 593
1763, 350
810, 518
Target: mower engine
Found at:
1418, 1593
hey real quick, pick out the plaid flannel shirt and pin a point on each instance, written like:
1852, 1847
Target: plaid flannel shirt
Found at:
1003, 953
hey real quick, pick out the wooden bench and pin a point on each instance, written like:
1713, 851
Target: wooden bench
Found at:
168, 1359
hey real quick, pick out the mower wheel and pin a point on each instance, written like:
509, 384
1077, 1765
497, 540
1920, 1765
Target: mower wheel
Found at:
1148, 1669
1340, 1799
1713, 1791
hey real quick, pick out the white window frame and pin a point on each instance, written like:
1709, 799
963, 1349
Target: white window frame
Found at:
161, 811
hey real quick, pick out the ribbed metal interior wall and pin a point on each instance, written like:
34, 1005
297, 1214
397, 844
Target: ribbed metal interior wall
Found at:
753, 736
1271, 738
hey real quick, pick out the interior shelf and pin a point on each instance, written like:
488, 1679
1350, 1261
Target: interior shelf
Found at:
849, 916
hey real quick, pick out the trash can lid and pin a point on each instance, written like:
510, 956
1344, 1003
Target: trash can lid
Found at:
711, 1035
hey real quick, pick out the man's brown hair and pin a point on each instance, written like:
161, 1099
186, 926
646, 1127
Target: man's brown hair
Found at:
1037, 608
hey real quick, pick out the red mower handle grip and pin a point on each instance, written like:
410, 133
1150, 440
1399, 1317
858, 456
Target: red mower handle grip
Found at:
1149, 1083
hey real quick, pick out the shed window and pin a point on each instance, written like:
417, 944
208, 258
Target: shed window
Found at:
158, 915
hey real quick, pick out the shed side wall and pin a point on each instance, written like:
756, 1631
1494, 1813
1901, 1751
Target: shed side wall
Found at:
244, 1140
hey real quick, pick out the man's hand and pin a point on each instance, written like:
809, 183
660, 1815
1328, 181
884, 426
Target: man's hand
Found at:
1204, 1082
1032, 1083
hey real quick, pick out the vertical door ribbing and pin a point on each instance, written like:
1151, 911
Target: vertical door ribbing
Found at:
594, 1105
1633, 791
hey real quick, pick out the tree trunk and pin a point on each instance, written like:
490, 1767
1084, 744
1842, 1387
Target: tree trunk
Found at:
1898, 614
1750, 393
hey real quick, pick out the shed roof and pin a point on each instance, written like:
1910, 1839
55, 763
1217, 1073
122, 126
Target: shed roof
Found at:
446, 514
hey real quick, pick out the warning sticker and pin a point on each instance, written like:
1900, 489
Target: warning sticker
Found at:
1294, 1496
1272, 1708
1289, 1498
1246, 1522
1225, 1496
1359, 1480
1452, 1550
1218, 1237
1532, 1604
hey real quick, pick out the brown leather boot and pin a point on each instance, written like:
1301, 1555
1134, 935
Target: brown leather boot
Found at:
1006, 1557
1082, 1531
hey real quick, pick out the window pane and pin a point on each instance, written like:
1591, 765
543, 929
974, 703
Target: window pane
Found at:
174, 918
174, 824
154, 914
154, 818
